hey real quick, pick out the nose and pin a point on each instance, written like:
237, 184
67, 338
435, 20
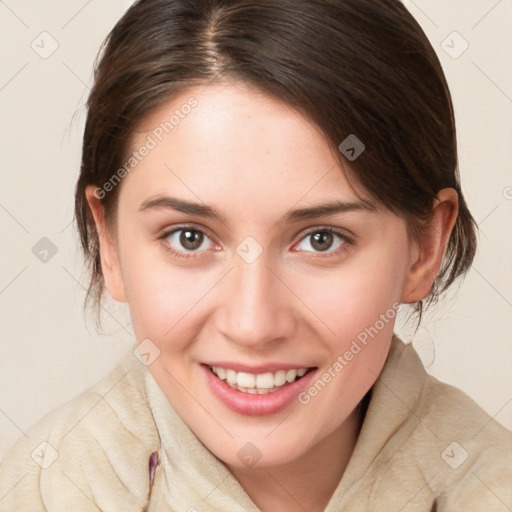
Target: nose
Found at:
255, 308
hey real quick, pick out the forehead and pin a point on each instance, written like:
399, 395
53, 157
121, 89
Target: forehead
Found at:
210, 142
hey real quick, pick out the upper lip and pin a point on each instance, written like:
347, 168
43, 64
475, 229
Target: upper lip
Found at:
262, 368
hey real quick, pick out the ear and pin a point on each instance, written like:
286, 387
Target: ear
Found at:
427, 253
110, 265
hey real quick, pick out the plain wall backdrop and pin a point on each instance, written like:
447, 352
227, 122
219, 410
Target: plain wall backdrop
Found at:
50, 352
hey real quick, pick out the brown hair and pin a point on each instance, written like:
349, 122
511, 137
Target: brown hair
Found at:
362, 67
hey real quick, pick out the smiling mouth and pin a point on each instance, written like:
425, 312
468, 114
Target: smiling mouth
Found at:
260, 383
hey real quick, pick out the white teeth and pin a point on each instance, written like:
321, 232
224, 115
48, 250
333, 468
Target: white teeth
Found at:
245, 380
261, 383
221, 372
265, 380
280, 378
290, 375
230, 375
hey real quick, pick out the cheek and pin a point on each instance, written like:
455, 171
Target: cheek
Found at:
160, 304
359, 304
166, 301
348, 298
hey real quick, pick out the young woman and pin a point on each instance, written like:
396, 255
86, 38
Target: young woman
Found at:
265, 184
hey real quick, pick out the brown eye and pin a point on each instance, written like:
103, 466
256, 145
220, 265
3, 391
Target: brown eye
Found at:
322, 240
191, 240
188, 240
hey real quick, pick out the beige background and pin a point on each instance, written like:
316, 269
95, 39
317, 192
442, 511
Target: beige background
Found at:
48, 351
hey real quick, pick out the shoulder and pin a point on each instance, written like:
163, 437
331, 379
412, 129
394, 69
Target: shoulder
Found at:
94, 447
476, 449
464, 455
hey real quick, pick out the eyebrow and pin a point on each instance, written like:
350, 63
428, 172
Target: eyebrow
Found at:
203, 210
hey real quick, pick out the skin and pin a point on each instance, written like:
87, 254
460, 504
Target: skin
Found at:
253, 158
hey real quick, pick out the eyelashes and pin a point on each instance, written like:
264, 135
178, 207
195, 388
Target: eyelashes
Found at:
332, 234
188, 234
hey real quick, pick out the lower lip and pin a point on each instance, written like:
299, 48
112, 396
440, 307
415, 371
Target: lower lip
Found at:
256, 405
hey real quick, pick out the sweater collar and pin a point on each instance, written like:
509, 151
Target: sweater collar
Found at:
189, 477
395, 396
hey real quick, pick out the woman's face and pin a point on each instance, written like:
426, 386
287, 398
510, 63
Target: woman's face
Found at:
225, 260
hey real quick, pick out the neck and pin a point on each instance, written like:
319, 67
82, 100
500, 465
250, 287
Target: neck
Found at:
308, 482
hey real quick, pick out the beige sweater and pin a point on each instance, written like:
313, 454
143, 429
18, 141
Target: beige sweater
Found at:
424, 446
